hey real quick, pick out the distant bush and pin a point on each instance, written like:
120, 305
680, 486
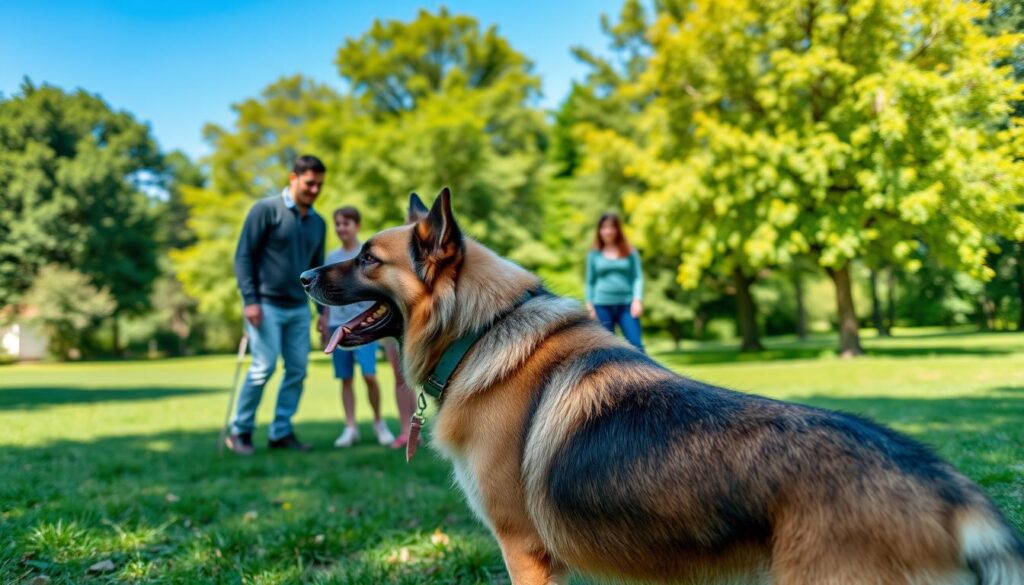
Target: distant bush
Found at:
66, 307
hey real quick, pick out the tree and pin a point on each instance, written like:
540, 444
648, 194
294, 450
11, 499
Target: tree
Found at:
174, 317
1007, 16
608, 109
70, 175
837, 130
172, 213
66, 306
444, 102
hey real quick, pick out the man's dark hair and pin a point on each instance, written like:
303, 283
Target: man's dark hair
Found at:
308, 162
348, 212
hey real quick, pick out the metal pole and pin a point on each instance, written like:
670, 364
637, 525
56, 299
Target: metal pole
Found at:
242, 345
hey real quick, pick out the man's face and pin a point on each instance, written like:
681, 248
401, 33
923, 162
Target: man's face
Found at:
345, 228
305, 187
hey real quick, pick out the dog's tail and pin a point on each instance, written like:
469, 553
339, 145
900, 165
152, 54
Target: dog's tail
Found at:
990, 547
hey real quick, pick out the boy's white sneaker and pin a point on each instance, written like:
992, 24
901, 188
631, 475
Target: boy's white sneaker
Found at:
347, 438
384, 436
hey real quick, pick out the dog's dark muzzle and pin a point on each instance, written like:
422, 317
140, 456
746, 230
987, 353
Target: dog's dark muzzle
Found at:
334, 284
308, 279
313, 282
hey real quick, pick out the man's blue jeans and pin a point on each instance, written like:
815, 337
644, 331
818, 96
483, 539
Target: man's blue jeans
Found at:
284, 332
609, 315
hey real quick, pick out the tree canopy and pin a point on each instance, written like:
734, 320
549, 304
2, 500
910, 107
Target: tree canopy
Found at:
71, 176
854, 130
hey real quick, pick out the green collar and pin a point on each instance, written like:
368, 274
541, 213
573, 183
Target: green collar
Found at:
437, 381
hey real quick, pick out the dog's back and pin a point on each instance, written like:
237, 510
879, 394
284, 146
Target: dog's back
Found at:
632, 470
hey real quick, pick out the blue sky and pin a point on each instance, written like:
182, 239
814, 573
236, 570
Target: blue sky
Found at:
180, 64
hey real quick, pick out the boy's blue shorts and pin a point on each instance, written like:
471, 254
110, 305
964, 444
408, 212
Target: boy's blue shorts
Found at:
344, 361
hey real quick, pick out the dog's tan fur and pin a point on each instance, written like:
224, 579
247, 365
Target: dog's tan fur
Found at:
737, 489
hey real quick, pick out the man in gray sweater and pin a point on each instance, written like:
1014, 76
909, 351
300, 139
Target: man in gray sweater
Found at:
282, 237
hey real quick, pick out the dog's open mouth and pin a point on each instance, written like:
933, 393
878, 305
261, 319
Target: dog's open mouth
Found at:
370, 325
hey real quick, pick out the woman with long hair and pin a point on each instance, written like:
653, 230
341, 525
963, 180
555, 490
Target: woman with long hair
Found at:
614, 282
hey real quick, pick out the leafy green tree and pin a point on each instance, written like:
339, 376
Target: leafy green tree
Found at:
837, 130
1006, 290
172, 212
603, 113
444, 102
71, 169
66, 306
173, 322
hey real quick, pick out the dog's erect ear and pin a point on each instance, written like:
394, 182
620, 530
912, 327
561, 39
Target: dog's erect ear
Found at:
417, 210
437, 238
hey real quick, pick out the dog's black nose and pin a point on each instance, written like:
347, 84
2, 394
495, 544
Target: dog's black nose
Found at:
307, 278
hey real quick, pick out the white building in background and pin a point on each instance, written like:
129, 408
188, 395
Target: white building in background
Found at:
22, 342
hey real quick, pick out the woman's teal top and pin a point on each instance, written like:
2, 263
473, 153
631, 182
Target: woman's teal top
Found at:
613, 281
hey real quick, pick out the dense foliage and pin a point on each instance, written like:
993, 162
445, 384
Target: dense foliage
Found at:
782, 167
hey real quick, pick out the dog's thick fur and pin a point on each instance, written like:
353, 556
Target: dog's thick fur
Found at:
581, 453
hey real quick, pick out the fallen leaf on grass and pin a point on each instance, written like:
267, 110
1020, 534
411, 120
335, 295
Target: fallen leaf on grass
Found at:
399, 556
439, 538
39, 580
104, 566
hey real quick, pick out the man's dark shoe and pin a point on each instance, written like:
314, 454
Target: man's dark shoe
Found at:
240, 443
289, 441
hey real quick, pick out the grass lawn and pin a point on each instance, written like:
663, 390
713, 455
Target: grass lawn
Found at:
118, 461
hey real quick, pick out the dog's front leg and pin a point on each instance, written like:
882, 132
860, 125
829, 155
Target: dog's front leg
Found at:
528, 563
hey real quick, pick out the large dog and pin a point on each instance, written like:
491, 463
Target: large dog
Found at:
581, 453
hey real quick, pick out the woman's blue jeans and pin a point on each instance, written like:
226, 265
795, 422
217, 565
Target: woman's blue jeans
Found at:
609, 315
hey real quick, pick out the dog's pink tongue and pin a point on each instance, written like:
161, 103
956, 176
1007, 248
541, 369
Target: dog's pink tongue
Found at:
335, 340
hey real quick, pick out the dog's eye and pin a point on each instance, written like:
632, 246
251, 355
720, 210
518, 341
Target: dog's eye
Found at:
366, 259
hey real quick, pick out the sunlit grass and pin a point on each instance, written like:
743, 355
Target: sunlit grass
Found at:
118, 461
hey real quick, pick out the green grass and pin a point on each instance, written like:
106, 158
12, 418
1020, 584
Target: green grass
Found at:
118, 461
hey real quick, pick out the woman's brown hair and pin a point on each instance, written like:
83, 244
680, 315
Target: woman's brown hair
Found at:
620, 238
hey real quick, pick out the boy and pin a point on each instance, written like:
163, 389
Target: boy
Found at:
346, 225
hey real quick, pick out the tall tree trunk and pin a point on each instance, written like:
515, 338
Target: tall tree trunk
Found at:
700, 320
988, 313
675, 330
746, 312
890, 293
1020, 285
801, 309
876, 306
179, 325
849, 333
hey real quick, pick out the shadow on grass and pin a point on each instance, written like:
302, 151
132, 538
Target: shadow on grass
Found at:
165, 507
33, 397
817, 349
